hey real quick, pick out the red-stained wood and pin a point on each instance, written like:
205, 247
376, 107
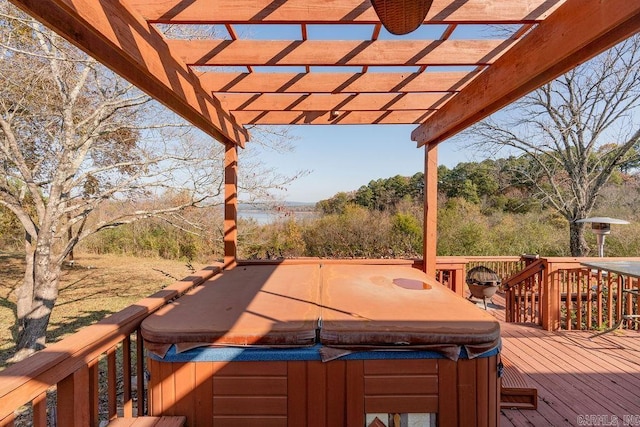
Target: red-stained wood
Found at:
316, 394
93, 390
574, 33
177, 421
336, 52
327, 118
355, 393
573, 373
467, 392
185, 384
247, 386
249, 405
333, 11
40, 411
430, 227
250, 421
230, 205
401, 367
448, 394
8, 421
333, 82
251, 369
297, 394
493, 391
401, 384
127, 399
329, 102
483, 395
336, 393
203, 394
72, 405
140, 374
401, 404
515, 392
167, 387
154, 401
112, 377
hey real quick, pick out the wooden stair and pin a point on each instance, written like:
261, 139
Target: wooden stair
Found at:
148, 422
515, 393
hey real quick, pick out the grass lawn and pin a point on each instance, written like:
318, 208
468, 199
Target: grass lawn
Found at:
97, 286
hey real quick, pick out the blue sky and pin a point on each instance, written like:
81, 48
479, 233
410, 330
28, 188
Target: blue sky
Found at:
345, 157
342, 158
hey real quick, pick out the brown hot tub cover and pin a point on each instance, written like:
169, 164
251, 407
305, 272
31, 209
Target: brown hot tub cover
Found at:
392, 307
257, 305
353, 306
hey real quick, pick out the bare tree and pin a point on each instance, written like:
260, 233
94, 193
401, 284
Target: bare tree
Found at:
74, 135
574, 133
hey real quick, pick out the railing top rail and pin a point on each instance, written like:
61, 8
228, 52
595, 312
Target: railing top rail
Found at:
315, 260
529, 271
25, 380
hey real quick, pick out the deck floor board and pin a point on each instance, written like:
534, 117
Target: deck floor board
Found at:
575, 373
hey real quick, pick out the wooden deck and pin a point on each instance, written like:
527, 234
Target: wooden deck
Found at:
577, 377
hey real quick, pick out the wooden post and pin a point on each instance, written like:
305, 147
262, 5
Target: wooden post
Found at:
230, 205
549, 298
430, 210
73, 405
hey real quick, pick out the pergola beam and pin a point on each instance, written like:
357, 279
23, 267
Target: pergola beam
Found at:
338, 52
329, 118
334, 82
334, 11
124, 42
576, 32
328, 102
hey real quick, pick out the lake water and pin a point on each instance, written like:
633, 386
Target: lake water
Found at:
267, 217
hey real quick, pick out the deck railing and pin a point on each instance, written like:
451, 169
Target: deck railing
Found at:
555, 293
582, 298
91, 371
560, 293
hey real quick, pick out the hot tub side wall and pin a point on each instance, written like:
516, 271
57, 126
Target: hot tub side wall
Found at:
336, 393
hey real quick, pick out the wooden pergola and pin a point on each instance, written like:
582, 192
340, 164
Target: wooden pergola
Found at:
443, 77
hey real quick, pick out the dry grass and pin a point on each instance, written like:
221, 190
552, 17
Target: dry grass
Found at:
93, 288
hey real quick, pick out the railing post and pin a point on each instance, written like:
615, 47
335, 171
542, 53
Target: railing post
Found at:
73, 405
549, 298
230, 206
430, 234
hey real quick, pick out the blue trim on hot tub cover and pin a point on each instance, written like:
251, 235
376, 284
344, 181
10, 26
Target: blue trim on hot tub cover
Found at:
255, 354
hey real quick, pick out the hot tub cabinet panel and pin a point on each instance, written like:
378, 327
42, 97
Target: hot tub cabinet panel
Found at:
315, 393
299, 345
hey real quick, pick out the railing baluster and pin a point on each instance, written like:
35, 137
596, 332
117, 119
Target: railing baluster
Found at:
127, 401
140, 374
609, 301
579, 316
112, 383
628, 301
599, 290
619, 284
39, 405
636, 325
567, 300
586, 277
94, 379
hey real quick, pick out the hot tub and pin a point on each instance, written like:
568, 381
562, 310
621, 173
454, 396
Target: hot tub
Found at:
323, 345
